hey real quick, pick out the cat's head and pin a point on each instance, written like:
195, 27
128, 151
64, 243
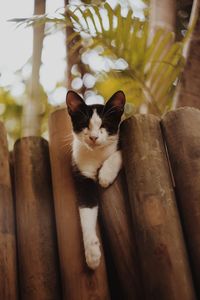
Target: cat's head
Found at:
95, 125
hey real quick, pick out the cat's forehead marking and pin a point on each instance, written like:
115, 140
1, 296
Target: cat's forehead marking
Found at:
95, 121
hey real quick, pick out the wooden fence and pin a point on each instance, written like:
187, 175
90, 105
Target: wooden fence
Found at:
149, 218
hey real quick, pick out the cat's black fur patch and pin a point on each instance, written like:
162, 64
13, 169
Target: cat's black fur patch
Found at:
81, 118
110, 118
87, 190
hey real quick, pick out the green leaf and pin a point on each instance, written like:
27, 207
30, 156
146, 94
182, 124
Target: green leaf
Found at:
96, 9
153, 66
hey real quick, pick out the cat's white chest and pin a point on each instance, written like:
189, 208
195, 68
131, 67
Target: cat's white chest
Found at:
88, 160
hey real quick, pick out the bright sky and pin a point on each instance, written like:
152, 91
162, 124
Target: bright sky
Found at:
16, 45
16, 49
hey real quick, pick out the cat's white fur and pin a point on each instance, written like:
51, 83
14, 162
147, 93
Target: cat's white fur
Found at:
100, 160
88, 217
90, 156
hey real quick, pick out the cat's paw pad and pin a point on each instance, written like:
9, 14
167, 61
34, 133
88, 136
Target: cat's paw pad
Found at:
106, 177
93, 253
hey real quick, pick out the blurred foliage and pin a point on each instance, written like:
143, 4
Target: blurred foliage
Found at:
153, 67
10, 114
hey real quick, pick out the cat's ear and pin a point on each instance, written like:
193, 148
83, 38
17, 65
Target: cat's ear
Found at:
74, 102
117, 101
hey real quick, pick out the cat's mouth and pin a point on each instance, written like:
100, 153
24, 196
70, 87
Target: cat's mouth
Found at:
93, 144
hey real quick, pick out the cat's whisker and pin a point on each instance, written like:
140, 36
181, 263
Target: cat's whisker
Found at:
112, 139
109, 111
67, 136
67, 148
66, 139
66, 145
69, 151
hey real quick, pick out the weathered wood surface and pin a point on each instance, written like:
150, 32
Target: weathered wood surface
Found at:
182, 133
8, 260
116, 219
161, 249
37, 249
189, 88
77, 280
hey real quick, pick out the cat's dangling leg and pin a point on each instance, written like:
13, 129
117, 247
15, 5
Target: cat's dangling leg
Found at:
87, 192
88, 217
110, 169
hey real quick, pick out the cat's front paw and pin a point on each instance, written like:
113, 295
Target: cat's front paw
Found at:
110, 169
104, 181
106, 176
93, 253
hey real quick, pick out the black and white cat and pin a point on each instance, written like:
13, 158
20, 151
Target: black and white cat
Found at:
96, 160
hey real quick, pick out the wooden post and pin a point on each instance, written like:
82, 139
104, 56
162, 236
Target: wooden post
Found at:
163, 259
37, 252
8, 264
182, 133
116, 219
77, 280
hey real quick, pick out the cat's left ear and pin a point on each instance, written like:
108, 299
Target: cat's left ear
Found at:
117, 101
74, 102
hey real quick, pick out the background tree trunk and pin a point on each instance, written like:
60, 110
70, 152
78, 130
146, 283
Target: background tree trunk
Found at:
188, 90
162, 15
184, 3
32, 113
73, 59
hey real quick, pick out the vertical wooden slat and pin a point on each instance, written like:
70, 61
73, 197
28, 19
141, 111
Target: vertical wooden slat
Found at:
163, 259
116, 219
77, 280
37, 252
8, 263
182, 133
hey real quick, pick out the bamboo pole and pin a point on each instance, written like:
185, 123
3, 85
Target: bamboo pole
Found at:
8, 261
77, 280
37, 253
116, 219
182, 134
161, 249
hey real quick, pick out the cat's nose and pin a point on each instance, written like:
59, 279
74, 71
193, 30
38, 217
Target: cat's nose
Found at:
93, 138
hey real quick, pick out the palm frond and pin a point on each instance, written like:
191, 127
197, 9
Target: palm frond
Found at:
157, 64
153, 67
41, 19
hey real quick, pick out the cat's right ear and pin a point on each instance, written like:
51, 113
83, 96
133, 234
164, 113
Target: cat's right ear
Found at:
74, 102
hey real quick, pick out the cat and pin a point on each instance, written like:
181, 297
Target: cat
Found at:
96, 160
